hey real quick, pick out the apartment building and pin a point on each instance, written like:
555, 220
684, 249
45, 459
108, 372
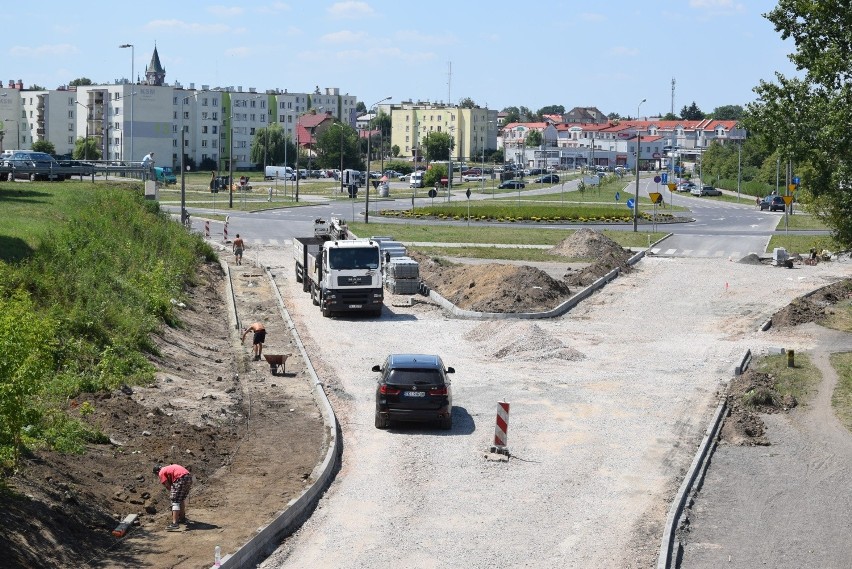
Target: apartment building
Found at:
472, 130
130, 120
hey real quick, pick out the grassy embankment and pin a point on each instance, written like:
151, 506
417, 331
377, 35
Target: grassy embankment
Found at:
87, 274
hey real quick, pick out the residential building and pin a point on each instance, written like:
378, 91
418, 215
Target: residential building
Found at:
473, 130
129, 120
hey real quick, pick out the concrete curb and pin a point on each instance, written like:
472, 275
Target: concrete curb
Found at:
232, 305
768, 324
668, 555
553, 313
299, 509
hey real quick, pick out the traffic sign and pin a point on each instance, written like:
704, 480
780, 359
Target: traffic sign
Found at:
665, 177
792, 187
787, 199
467, 193
672, 186
630, 203
796, 180
433, 192
656, 197
657, 179
618, 196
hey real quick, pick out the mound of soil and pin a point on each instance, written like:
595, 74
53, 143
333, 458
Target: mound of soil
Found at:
751, 259
520, 341
604, 253
813, 308
493, 287
750, 394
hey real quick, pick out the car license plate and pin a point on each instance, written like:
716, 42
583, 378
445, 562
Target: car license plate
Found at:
414, 393
354, 306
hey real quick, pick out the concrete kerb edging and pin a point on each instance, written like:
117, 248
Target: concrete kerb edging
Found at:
232, 305
298, 509
768, 324
553, 313
696, 470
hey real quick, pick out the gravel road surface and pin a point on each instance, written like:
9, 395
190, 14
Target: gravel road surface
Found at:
608, 404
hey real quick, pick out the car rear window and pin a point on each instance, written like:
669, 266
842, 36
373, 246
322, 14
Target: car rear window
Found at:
415, 377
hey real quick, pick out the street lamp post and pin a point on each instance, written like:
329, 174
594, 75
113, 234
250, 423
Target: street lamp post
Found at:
341, 153
132, 71
638, 151
367, 198
183, 213
231, 158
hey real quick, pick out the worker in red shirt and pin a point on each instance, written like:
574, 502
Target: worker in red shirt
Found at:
178, 481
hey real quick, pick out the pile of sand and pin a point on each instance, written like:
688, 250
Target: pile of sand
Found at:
520, 341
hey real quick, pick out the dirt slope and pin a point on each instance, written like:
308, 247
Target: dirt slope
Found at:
250, 440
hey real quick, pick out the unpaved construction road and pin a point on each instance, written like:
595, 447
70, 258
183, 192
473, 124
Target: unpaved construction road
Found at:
608, 404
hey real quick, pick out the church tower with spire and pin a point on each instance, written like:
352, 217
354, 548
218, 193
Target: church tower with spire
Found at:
154, 72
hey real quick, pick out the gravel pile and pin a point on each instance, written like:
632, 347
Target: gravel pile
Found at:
599, 441
520, 341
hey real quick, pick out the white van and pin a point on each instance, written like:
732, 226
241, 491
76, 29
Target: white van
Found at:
279, 172
416, 180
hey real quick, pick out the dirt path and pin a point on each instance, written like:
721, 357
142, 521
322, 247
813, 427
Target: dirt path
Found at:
250, 439
787, 504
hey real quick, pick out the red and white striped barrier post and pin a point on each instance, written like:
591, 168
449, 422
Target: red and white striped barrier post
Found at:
501, 429
207, 230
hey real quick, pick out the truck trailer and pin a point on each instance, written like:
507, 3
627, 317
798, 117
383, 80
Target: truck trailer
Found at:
340, 273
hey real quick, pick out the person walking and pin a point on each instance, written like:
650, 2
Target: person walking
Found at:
257, 341
239, 246
178, 481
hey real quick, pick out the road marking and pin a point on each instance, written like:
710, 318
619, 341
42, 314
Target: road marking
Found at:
670, 252
273, 242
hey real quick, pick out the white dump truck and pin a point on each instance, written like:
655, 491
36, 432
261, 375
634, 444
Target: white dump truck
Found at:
342, 274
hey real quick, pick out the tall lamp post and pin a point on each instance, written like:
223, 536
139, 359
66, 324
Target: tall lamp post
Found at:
231, 158
341, 153
183, 213
367, 199
638, 151
132, 71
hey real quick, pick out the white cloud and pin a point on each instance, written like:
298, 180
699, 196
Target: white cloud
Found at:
189, 27
46, 50
238, 51
343, 36
413, 37
621, 51
226, 11
273, 8
350, 9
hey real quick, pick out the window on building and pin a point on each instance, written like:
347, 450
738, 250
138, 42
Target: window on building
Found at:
214, 129
71, 126
186, 143
186, 115
215, 116
174, 142
204, 143
215, 102
71, 114
204, 102
214, 143
70, 140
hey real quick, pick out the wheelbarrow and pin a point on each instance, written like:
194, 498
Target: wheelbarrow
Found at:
277, 362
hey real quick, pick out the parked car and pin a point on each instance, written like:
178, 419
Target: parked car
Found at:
512, 185
685, 187
547, 179
413, 387
705, 191
404, 177
416, 180
773, 203
473, 177
32, 165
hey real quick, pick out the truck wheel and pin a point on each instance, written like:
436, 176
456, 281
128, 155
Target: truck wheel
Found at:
33, 177
381, 421
314, 296
326, 312
447, 423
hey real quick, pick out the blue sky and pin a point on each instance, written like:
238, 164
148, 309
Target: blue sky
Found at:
605, 53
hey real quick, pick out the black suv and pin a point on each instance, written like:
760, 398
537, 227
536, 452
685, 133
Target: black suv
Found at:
413, 387
773, 203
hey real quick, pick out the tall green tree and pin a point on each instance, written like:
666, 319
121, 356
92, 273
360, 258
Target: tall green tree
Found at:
334, 141
438, 145
534, 138
80, 81
513, 114
728, 113
691, 113
467, 103
551, 110
44, 146
807, 119
277, 145
86, 149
